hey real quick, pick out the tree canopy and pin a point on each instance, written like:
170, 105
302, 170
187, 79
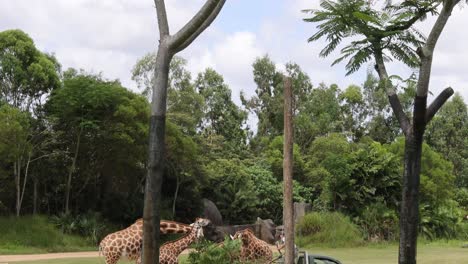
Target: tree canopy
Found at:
85, 137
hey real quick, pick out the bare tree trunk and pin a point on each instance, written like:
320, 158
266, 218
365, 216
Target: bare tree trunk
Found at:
288, 212
176, 193
151, 211
17, 174
70, 172
409, 216
34, 196
24, 183
169, 45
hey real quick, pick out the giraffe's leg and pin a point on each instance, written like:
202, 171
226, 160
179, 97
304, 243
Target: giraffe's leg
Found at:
112, 258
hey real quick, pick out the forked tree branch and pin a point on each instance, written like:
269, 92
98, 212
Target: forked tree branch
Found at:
162, 18
438, 103
390, 90
205, 24
427, 50
196, 25
440, 23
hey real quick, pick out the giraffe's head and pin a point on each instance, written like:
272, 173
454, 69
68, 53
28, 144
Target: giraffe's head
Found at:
198, 226
244, 235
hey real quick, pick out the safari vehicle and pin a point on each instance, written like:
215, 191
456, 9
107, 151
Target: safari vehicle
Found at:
303, 257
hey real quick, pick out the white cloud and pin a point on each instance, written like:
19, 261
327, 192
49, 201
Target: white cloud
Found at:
232, 57
103, 36
110, 35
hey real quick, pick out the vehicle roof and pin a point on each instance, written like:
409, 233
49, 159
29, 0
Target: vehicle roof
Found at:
321, 257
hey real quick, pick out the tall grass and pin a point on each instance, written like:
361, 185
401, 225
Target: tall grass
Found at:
34, 234
326, 229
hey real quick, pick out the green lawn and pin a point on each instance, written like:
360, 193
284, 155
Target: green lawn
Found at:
71, 261
427, 254
35, 234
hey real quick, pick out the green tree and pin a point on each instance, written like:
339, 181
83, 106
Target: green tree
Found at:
437, 191
26, 74
448, 134
386, 34
15, 147
331, 147
320, 114
221, 115
267, 103
351, 176
382, 125
99, 123
274, 155
354, 111
232, 189
183, 174
269, 192
316, 109
185, 105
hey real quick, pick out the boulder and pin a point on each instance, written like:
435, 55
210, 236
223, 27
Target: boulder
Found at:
210, 211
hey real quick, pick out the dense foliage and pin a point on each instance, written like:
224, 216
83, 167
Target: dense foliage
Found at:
83, 146
328, 229
207, 252
37, 234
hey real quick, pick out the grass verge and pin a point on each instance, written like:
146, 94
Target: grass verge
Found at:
34, 234
433, 253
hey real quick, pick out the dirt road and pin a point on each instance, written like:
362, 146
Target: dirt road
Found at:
87, 254
11, 258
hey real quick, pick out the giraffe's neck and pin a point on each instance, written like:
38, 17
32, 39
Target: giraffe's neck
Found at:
165, 227
171, 227
182, 243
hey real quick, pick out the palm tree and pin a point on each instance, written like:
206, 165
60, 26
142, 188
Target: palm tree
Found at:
384, 32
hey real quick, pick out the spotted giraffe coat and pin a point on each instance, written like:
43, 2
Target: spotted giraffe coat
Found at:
128, 242
169, 252
253, 248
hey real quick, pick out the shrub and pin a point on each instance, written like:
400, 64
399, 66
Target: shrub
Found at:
91, 225
331, 229
462, 231
440, 222
461, 196
207, 252
379, 222
35, 234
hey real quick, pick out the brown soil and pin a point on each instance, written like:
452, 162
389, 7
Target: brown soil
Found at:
88, 254
28, 257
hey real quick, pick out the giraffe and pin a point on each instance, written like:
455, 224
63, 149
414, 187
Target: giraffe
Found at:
253, 248
170, 251
128, 242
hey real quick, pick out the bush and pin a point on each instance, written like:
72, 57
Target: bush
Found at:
441, 222
462, 231
331, 229
207, 252
29, 234
91, 225
461, 196
379, 222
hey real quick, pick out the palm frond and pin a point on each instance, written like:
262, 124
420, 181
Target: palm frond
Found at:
360, 57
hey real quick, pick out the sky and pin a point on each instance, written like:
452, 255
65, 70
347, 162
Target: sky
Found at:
109, 36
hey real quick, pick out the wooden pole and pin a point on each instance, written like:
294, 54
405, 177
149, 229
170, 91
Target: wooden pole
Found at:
288, 213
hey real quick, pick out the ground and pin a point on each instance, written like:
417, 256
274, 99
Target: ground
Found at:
386, 254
